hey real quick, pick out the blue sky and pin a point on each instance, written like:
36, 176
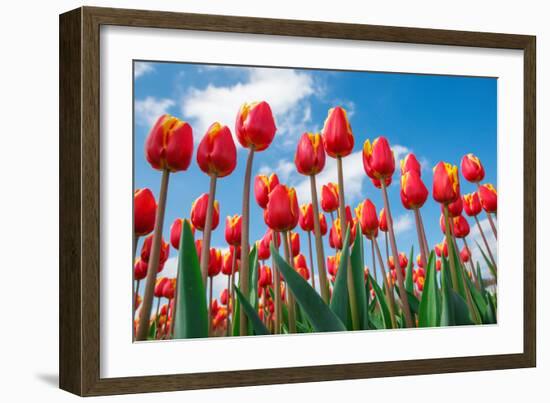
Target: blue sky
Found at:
436, 117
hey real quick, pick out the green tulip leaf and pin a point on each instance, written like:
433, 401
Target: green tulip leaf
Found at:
429, 310
257, 324
409, 284
339, 303
253, 281
152, 335
358, 272
382, 303
487, 261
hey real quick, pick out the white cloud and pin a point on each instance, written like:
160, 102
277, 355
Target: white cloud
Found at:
403, 223
284, 90
148, 110
475, 239
142, 68
284, 170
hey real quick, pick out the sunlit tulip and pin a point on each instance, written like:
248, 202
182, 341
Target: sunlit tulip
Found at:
460, 227
329, 197
464, 255
224, 296
140, 269
145, 210
336, 238
215, 262
337, 135
472, 205
310, 154
216, 153
382, 221
300, 265
282, 211
146, 251
233, 229
159, 286
255, 125
410, 163
446, 188
169, 145
265, 278
306, 217
198, 212
263, 185
294, 243
368, 220
413, 191
378, 159
169, 288
455, 208
472, 169
488, 197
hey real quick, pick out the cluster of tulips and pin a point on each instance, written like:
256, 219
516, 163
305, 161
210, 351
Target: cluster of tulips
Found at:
292, 293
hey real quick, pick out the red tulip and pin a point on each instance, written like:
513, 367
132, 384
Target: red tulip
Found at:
420, 283
224, 296
366, 214
294, 243
268, 236
266, 277
263, 250
282, 209
323, 224
217, 154
472, 169
215, 262
378, 183
214, 307
145, 210
336, 238
488, 197
140, 269
455, 208
403, 261
306, 217
337, 135
464, 255
310, 154
159, 286
332, 264
146, 251
227, 262
198, 247
198, 212
382, 221
472, 205
255, 125
410, 163
378, 159
438, 265
413, 191
175, 232
300, 265
442, 248
329, 197
169, 145
169, 288
233, 229
263, 185
446, 188
461, 228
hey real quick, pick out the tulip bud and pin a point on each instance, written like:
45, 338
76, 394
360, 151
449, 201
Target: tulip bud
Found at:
403, 261
159, 286
263, 185
224, 297
472, 205
464, 255
146, 251
306, 217
255, 125
488, 197
233, 229
145, 210
419, 261
438, 265
140, 269
446, 188
332, 264
198, 212
323, 224
366, 213
455, 208
169, 288
169, 145
215, 262
282, 209
294, 243
300, 265
378, 159
472, 169
382, 221
263, 250
310, 154
175, 232
336, 238
329, 197
410, 163
337, 135
217, 154
413, 191
461, 228
442, 248
227, 262
265, 278
214, 307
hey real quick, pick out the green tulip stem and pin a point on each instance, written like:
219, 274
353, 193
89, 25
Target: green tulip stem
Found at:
211, 285
449, 240
389, 290
493, 261
207, 233
320, 252
229, 299
276, 288
147, 304
423, 252
426, 247
245, 245
311, 259
472, 266
289, 294
400, 282
373, 261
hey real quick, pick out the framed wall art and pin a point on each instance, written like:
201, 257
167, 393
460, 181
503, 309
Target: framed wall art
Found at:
251, 201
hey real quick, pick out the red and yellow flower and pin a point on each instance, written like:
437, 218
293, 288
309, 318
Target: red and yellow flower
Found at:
263, 185
368, 220
337, 135
198, 212
233, 228
217, 154
310, 154
255, 125
282, 211
413, 191
378, 159
472, 169
329, 197
145, 210
446, 187
488, 197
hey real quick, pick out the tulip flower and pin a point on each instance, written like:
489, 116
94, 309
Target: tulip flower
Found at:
330, 197
140, 269
488, 197
282, 211
169, 288
216, 153
378, 159
310, 154
403, 261
472, 207
159, 286
300, 266
413, 191
332, 264
460, 226
441, 248
323, 224
410, 163
215, 263
419, 261
265, 278
438, 265
175, 232
199, 210
294, 243
336, 237
472, 169
446, 188
198, 246
145, 210
228, 265
465, 255
255, 129
455, 208
338, 138
263, 250
233, 230
169, 148
366, 213
146, 250
306, 217
224, 297
263, 185
382, 221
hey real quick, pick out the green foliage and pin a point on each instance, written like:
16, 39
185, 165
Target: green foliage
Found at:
339, 303
256, 323
429, 310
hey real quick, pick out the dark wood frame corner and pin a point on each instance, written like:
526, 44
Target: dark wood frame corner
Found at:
79, 200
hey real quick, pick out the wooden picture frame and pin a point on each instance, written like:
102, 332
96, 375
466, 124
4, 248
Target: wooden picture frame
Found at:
80, 199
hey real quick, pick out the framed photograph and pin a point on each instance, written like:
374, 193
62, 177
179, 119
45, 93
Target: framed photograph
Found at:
249, 201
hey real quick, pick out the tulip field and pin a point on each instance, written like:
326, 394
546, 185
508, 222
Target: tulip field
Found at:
322, 264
